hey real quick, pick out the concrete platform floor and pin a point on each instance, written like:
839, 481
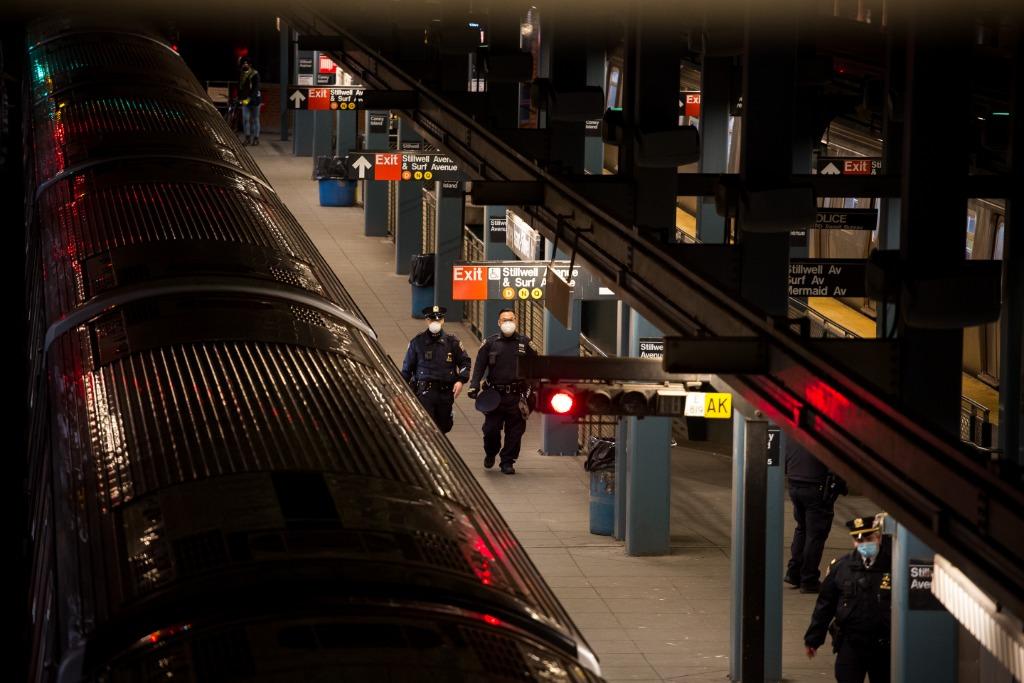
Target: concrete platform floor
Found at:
647, 618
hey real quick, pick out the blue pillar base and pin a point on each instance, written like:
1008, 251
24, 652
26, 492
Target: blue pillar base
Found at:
421, 298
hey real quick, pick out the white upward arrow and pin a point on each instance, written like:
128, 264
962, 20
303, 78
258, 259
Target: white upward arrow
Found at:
830, 169
361, 164
297, 97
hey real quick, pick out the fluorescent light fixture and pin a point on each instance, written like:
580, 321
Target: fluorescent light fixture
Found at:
998, 631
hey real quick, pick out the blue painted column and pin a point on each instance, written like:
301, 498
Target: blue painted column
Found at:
774, 559
495, 249
323, 133
302, 140
409, 228
715, 76
375, 192
621, 429
745, 556
924, 642
560, 435
284, 74
739, 458
649, 468
448, 247
593, 148
346, 132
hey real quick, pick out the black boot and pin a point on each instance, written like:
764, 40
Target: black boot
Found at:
248, 141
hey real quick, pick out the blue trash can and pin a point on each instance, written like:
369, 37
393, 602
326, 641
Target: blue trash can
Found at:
602, 502
421, 298
337, 192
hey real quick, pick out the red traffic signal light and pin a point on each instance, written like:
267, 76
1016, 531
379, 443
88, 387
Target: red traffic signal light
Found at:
561, 402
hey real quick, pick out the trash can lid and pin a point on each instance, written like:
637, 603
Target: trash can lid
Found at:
487, 400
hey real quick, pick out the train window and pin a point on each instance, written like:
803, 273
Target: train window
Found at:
997, 245
613, 87
972, 222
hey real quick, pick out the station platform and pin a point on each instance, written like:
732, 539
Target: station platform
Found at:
647, 618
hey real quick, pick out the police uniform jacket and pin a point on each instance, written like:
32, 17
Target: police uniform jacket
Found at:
499, 357
436, 358
803, 467
858, 598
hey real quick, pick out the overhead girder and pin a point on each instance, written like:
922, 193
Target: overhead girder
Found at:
900, 459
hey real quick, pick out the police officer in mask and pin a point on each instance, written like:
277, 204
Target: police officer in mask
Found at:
436, 366
854, 606
498, 358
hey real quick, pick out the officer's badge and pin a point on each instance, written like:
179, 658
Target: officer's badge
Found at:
522, 348
830, 564
886, 582
449, 359
858, 523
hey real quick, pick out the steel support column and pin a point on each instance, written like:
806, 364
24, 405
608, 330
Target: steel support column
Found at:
302, 139
323, 133
1011, 324
715, 99
621, 429
451, 221
560, 436
749, 544
650, 102
409, 228
766, 148
593, 147
494, 250
649, 471
346, 132
375, 193
932, 238
284, 73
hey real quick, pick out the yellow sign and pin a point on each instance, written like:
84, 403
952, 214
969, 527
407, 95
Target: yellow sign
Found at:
508, 293
418, 175
718, 406
427, 175
524, 293
713, 406
537, 292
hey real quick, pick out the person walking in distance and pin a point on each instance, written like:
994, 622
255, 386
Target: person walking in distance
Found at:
249, 97
436, 366
498, 359
813, 490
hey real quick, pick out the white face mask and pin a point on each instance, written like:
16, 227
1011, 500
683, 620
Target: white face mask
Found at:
434, 326
508, 327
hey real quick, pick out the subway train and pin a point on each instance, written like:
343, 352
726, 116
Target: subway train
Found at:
228, 478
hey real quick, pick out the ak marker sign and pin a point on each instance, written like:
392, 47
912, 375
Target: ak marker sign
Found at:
712, 406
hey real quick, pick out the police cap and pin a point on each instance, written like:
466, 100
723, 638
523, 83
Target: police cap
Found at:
862, 526
488, 400
434, 312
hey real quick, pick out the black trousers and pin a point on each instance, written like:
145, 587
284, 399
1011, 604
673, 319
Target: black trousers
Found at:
854, 661
508, 417
439, 406
813, 522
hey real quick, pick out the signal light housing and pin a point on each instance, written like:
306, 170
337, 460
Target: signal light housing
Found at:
633, 400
